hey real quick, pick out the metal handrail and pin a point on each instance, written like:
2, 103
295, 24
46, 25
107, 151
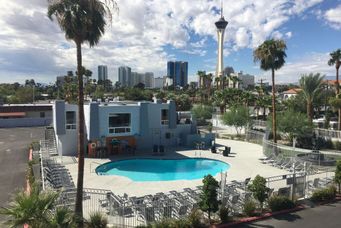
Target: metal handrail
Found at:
97, 163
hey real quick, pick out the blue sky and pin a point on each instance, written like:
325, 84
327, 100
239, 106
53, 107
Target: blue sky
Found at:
145, 34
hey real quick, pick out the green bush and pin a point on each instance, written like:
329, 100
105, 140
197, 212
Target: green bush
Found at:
337, 145
171, 223
278, 203
324, 194
224, 214
249, 207
323, 143
195, 218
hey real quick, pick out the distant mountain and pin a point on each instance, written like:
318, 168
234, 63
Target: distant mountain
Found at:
330, 77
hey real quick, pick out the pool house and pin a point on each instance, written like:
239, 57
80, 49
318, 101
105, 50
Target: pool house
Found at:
119, 127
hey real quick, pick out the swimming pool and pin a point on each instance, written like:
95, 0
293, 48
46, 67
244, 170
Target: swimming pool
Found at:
163, 170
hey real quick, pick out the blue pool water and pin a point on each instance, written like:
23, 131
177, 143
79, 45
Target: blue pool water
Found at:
163, 170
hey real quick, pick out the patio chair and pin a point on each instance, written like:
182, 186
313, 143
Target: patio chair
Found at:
155, 150
286, 164
226, 151
161, 150
284, 192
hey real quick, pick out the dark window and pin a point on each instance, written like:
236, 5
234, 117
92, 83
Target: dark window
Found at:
164, 117
119, 123
42, 114
70, 120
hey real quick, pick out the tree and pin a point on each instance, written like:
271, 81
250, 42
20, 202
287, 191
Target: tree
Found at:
97, 220
335, 59
238, 116
83, 21
202, 112
271, 55
34, 209
293, 124
259, 190
208, 198
183, 102
99, 92
220, 99
311, 88
337, 177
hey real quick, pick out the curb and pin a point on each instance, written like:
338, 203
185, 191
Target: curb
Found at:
257, 218
270, 214
28, 187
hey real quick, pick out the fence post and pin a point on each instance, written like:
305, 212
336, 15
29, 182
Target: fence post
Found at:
293, 183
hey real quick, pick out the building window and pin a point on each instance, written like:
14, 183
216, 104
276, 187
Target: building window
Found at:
119, 123
70, 120
42, 114
164, 117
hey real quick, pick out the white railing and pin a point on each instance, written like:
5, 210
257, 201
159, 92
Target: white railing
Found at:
328, 133
92, 165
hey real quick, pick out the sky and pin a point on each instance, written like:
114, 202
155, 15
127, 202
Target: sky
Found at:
145, 34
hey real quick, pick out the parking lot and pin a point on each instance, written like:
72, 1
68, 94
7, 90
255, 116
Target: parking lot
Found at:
14, 143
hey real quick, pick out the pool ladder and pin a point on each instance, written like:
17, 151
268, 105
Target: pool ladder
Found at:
92, 170
197, 153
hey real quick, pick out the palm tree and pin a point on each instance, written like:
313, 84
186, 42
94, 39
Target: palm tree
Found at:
201, 75
271, 55
335, 59
97, 220
34, 209
234, 80
219, 98
217, 80
83, 21
311, 87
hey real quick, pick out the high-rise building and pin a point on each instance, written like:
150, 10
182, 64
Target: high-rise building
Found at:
102, 73
221, 25
158, 82
124, 76
178, 72
149, 79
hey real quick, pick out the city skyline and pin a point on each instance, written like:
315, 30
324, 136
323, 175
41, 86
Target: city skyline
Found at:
311, 29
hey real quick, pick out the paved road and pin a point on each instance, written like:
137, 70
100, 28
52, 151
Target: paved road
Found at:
14, 144
326, 216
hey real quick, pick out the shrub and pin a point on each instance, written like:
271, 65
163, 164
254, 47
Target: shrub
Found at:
278, 203
97, 220
249, 207
224, 214
259, 190
171, 223
324, 194
195, 218
337, 145
323, 143
208, 199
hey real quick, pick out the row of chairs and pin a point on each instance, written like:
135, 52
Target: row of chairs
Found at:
56, 176
290, 164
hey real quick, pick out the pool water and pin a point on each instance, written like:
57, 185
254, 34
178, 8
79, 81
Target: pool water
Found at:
163, 170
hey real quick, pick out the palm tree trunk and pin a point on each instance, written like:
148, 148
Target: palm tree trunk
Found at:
79, 196
310, 111
337, 93
273, 107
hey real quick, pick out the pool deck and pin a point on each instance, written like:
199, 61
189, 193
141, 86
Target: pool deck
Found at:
244, 162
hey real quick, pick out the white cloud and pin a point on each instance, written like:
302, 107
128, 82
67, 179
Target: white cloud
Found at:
333, 16
242, 37
310, 63
139, 33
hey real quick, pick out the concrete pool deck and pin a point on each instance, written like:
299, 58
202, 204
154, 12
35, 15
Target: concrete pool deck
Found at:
244, 162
